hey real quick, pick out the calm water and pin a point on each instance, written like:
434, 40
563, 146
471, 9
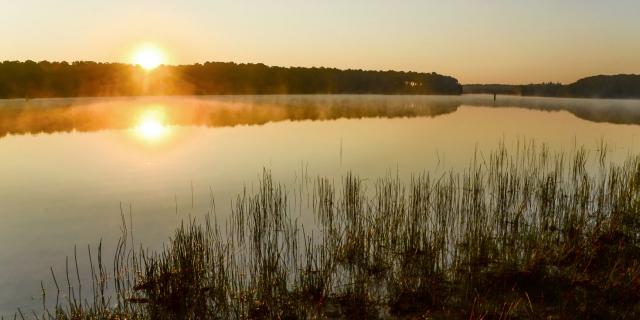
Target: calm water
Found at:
68, 166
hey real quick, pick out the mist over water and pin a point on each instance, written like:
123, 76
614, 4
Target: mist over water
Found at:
21, 116
69, 166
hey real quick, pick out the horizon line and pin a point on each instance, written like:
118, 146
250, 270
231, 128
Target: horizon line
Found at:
312, 67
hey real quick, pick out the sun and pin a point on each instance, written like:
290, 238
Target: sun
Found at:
148, 57
151, 126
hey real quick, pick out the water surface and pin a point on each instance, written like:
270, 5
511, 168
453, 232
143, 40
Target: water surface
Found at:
69, 166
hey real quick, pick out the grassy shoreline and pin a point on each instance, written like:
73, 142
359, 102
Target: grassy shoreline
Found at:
521, 234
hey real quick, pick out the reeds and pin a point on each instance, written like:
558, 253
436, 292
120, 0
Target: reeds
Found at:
524, 233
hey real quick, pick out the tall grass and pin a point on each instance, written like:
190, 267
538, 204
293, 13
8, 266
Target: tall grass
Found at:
525, 233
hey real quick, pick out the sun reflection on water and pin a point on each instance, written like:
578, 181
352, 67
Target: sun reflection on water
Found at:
151, 126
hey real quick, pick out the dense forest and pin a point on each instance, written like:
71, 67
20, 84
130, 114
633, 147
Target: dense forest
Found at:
491, 88
31, 79
602, 86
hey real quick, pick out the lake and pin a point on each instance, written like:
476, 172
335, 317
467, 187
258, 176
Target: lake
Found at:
69, 167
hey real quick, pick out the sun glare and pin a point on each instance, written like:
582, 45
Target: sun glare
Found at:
148, 57
151, 126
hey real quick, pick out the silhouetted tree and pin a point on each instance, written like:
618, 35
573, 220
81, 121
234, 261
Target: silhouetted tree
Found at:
31, 79
611, 86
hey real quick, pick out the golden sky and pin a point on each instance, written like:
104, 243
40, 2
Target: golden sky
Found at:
475, 41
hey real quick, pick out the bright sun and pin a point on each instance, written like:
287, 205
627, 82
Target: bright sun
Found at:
151, 126
148, 57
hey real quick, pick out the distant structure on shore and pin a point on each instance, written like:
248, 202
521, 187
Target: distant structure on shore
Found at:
602, 86
61, 79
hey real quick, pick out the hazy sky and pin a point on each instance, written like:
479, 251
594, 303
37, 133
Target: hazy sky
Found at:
474, 41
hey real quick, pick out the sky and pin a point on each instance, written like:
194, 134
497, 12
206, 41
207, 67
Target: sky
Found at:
490, 41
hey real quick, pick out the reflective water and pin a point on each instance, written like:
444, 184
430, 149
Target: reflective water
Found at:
69, 166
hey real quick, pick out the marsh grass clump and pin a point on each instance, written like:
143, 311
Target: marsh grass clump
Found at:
521, 234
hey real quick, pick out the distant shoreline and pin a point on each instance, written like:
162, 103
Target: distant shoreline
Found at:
621, 86
45, 79
500, 96
29, 80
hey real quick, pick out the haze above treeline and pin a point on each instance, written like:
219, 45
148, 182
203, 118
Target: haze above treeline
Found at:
45, 79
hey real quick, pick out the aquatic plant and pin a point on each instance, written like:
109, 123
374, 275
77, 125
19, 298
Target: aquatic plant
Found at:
521, 234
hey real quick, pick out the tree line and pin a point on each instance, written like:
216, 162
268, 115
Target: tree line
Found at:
30, 79
601, 86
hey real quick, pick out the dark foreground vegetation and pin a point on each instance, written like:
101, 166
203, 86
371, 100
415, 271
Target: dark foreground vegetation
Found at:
528, 234
602, 86
45, 79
